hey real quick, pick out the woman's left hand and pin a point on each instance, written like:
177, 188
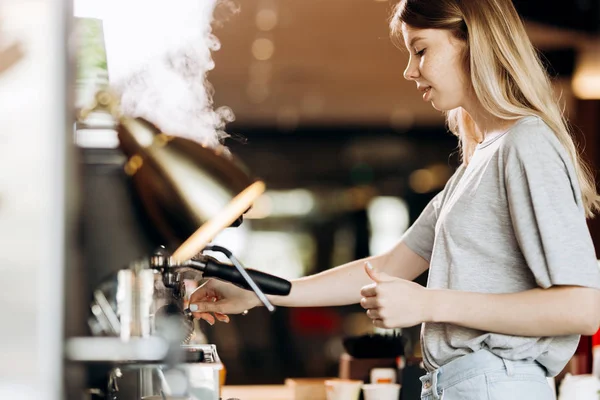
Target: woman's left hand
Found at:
393, 302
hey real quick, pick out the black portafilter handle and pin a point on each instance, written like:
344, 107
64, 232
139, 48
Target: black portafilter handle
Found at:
269, 284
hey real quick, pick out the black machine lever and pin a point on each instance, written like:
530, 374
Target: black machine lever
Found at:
269, 284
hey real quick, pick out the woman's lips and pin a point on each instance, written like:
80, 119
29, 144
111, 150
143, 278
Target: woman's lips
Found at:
426, 93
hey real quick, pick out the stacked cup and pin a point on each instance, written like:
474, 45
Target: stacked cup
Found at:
342, 389
383, 385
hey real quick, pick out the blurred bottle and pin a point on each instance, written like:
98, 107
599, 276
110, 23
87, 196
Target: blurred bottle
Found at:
222, 377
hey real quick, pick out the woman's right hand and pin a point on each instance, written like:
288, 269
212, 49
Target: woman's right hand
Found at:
220, 298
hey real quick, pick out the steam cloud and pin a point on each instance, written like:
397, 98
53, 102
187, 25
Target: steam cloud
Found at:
159, 53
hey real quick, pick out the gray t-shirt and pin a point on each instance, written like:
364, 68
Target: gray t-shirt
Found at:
510, 221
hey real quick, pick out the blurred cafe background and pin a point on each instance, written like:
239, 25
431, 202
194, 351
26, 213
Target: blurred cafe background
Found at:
308, 95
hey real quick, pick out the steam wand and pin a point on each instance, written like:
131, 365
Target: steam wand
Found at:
238, 265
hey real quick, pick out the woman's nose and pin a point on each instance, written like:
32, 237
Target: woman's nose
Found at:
411, 72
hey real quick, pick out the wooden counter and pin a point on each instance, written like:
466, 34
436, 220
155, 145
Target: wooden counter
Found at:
293, 389
257, 392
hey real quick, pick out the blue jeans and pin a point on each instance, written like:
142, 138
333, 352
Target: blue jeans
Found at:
485, 376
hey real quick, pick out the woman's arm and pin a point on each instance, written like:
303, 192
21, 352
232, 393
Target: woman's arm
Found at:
338, 286
342, 285
559, 310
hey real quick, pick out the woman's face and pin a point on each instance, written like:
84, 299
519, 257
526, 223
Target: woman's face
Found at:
435, 64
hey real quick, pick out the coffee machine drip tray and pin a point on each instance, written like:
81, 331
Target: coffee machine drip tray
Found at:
143, 362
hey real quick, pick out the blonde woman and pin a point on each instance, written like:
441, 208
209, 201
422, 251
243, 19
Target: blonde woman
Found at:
513, 278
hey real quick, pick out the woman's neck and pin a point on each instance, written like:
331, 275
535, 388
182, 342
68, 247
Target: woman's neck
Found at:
486, 123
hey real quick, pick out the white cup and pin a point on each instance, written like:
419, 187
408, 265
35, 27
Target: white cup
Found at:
381, 391
342, 389
383, 375
579, 387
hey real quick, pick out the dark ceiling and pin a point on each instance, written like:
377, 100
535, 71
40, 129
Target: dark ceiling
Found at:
333, 62
579, 15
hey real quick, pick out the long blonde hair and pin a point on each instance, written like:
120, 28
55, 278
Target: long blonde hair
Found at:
506, 73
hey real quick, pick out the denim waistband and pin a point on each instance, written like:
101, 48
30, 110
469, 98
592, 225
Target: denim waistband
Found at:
468, 366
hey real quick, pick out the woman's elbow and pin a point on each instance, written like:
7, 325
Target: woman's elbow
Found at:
591, 322
590, 328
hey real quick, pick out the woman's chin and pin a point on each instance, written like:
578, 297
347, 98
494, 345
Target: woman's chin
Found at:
440, 106
437, 107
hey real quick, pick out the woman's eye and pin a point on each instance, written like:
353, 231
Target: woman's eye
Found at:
420, 53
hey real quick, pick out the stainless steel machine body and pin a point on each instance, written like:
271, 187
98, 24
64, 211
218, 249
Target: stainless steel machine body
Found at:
139, 342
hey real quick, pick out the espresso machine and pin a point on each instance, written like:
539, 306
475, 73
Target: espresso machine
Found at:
151, 207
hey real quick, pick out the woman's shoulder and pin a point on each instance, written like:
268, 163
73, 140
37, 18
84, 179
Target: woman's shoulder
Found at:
529, 131
531, 139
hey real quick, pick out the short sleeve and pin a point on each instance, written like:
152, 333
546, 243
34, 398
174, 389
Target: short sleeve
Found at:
421, 235
547, 212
